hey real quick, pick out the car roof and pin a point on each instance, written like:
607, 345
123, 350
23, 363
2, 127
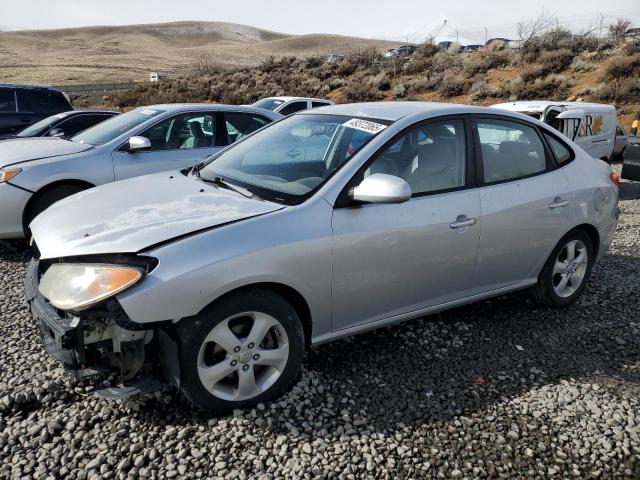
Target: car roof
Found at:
286, 99
171, 107
540, 105
396, 110
29, 87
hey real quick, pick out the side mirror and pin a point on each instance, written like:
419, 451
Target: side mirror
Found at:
137, 144
381, 188
56, 132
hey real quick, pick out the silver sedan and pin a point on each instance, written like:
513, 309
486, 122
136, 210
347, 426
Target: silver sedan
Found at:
37, 172
325, 224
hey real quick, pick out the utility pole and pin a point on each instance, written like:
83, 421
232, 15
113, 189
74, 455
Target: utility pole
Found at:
485, 35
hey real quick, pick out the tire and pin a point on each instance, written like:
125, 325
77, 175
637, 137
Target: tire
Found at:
45, 199
549, 289
203, 361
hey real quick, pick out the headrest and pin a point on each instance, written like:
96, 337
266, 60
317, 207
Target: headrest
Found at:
436, 157
196, 130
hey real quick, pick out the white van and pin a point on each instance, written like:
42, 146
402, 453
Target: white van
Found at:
590, 125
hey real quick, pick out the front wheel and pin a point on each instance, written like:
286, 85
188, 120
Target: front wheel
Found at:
242, 350
566, 272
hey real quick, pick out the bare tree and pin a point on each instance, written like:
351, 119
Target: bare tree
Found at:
529, 30
617, 30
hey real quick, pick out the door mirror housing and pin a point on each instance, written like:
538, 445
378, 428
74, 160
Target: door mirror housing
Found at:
56, 132
137, 144
381, 188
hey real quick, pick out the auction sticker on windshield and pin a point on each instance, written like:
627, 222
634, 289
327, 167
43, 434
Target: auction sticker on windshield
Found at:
365, 125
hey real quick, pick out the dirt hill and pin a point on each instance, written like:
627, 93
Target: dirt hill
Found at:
129, 53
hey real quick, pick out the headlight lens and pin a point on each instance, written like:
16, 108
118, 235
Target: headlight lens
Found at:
8, 174
76, 286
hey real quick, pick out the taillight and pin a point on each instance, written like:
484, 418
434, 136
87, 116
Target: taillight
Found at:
615, 178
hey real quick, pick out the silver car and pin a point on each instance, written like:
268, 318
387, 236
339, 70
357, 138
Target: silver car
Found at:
324, 224
36, 172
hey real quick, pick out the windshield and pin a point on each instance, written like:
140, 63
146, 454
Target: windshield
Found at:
114, 127
268, 103
289, 159
42, 126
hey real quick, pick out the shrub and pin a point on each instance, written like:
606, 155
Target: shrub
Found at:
579, 65
481, 90
556, 60
400, 90
453, 85
618, 90
358, 91
380, 81
531, 72
618, 66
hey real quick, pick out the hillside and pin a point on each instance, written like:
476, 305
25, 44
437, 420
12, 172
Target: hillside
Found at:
129, 53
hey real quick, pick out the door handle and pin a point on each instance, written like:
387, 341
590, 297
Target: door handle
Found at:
558, 203
462, 221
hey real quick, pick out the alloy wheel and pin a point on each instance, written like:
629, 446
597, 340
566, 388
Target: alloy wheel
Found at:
570, 268
243, 356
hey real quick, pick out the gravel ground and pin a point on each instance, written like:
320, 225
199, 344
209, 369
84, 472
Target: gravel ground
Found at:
503, 388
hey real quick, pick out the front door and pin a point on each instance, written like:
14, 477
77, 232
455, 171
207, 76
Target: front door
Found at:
177, 142
399, 258
525, 203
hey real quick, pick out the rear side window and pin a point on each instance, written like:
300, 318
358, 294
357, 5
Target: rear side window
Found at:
79, 123
293, 108
319, 104
7, 100
562, 153
42, 102
239, 125
509, 150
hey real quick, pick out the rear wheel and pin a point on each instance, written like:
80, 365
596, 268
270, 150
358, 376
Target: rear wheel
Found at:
566, 272
241, 351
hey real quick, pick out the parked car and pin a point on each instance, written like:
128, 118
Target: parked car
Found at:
620, 143
24, 105
66, 124
36, 172
289, 105
590, 125
631, 159
335, 58
402, 51
327, 223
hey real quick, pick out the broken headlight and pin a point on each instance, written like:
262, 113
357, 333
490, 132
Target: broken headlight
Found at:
76, 286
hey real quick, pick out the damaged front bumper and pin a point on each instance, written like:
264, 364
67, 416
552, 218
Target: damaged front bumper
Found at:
99, 343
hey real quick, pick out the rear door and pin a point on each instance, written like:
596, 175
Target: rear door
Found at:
177, 142
10, 120
294, 107
525, 201
34, 105
631, 162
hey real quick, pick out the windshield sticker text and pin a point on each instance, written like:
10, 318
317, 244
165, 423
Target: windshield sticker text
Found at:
365, 125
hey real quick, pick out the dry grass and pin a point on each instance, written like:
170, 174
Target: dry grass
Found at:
129, 53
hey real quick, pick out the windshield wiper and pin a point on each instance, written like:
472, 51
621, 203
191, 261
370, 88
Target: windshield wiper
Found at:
230, 186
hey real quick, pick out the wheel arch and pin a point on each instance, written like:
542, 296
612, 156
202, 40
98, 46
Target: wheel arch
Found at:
593, 233
290, 294
48, 187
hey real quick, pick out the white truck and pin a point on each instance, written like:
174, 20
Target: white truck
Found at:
590, 125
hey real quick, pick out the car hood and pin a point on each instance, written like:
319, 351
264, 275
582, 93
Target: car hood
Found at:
21, 150
134, 214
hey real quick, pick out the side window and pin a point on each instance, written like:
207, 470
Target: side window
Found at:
319, 104
509, 150
7, 100
430, 157
42, 102
562, 153
188, 130
294, 107
239, 125
79, 123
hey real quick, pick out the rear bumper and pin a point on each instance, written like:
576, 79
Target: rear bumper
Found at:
13, 201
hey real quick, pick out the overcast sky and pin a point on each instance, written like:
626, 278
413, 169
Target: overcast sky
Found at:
389, 20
